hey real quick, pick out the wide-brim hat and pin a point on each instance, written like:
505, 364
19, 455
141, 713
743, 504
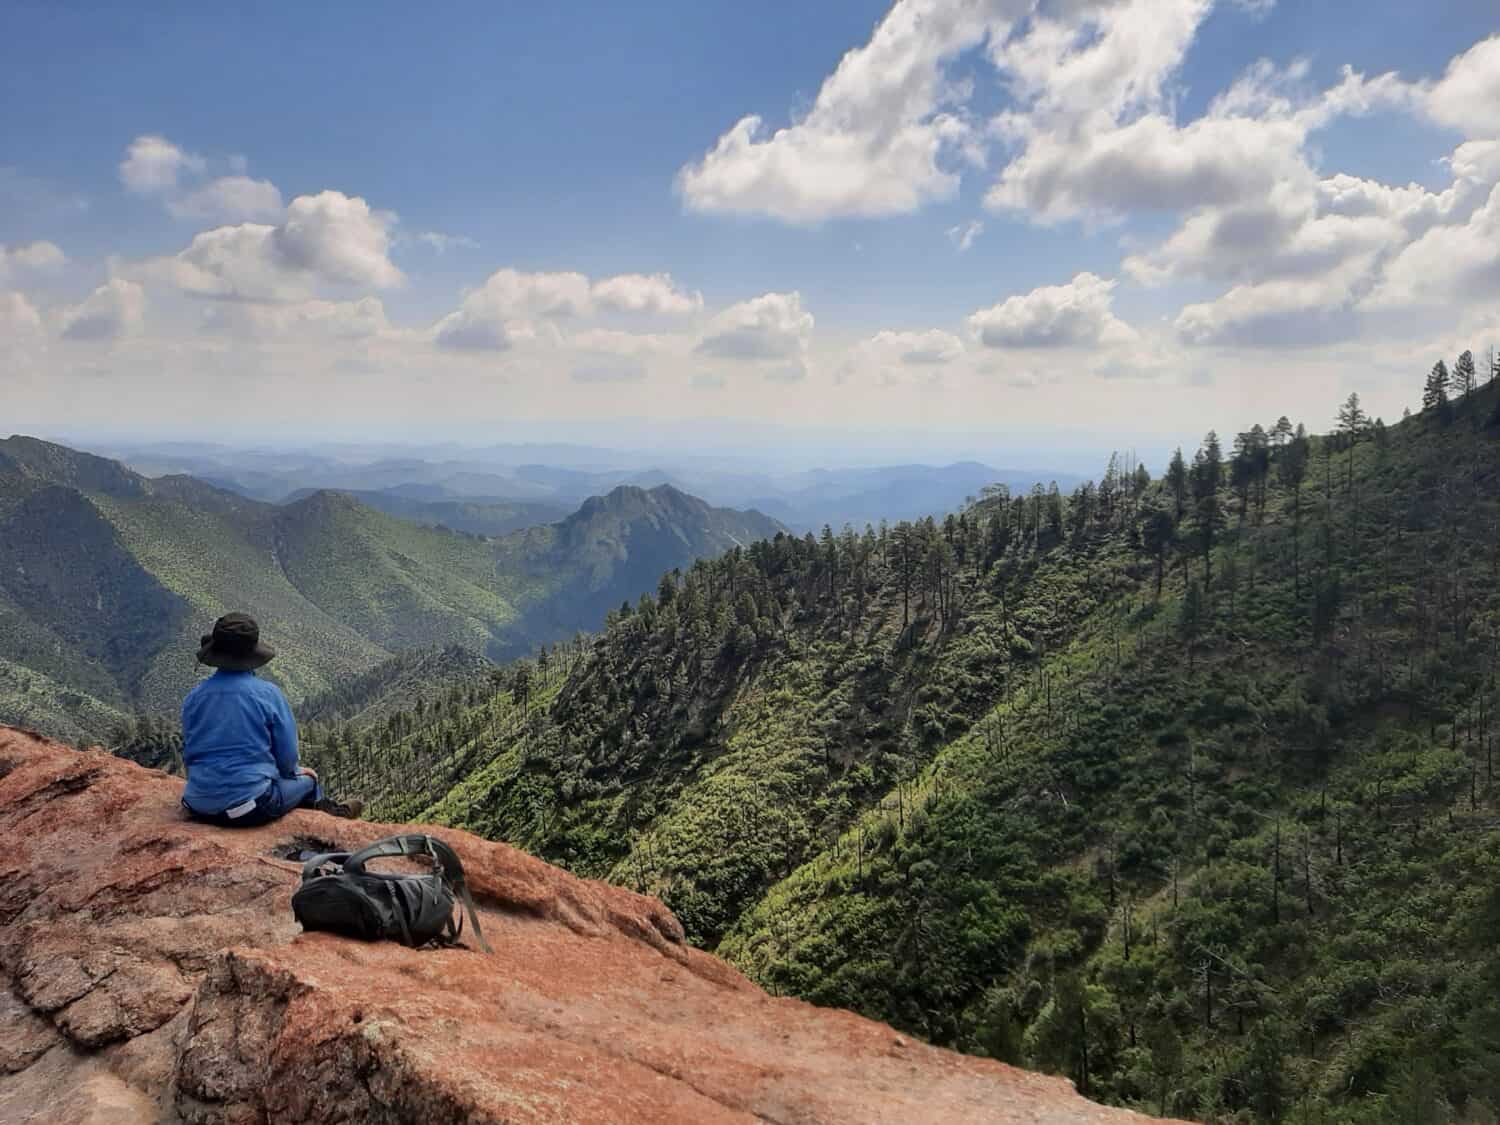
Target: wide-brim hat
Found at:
234, 645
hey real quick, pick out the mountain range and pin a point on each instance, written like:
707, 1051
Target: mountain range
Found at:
499, 488
107, 579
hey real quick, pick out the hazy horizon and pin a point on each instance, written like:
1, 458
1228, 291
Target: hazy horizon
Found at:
762, 447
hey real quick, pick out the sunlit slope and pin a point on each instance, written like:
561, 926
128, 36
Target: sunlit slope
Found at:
217, 558
395, 582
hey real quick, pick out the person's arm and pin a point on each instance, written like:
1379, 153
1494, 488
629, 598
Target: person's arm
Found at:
283, 728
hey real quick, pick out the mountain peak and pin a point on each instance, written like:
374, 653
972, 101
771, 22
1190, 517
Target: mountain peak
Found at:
665, 509
321, 501
187, 989
57, 464
634, 500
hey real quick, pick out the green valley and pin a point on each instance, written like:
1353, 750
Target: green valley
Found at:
107, 578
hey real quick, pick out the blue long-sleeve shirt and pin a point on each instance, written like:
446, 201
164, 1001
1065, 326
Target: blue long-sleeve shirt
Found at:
238, 735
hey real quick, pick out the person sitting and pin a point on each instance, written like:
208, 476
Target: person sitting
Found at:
239, 739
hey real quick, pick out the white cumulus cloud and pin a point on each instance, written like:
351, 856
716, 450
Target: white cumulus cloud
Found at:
1096, 135
1467, 97
771, 326
115, 309
338, 237
229, 199
1077, 314
155, 165
1298, 312
1311, 260
1092, 62
514, 293
890, 357
1149, 164
1302, 249
1294, 231
329, 238
1448, 263
18, 316
501, 311
656, 293
30, 256
879, 139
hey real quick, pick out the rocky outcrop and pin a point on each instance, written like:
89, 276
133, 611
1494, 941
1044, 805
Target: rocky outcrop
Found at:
153, 971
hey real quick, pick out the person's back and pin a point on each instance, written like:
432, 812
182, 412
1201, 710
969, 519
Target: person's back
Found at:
239, 739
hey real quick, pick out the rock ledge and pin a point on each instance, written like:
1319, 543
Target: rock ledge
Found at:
153, 972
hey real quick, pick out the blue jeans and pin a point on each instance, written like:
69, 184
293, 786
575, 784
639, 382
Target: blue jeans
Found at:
282, 796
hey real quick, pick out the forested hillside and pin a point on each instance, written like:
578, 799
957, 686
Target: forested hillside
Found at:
108, 578
477, 515
1183, 788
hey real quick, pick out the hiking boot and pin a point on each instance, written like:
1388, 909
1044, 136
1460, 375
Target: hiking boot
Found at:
349, 810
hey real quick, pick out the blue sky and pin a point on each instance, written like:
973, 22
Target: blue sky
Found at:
382, 219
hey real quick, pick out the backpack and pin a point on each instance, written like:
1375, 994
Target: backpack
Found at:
338, 895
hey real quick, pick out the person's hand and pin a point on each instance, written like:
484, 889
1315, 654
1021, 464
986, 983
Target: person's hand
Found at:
305, 772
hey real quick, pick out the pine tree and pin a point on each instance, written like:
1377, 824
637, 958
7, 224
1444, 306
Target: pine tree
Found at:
1142, 479
1177, 477
1291, 465
1054, 510
520, 687
1435, 393
1242, 469
666, 590
1158, 531
1206, 476
1352, 418
1190, 615
1465, 379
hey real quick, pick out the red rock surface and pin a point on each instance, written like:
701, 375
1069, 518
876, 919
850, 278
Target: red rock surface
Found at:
155, 972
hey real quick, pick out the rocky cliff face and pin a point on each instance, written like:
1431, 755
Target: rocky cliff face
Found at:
154, 972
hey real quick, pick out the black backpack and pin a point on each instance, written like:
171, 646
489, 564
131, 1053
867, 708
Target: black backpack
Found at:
339, 895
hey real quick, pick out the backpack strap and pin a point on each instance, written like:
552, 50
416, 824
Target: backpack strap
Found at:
444, 857
400, 912
408, 844
454, 870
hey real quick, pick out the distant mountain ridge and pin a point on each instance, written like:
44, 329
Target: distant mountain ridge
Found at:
108, 577
893, 492
563, 477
